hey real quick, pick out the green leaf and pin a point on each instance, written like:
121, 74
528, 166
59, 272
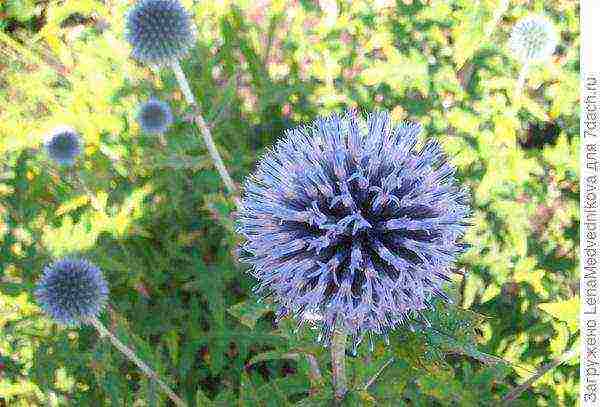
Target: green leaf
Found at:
375, 75
272, 355
21, 10
202, 400
250, 311
566, 311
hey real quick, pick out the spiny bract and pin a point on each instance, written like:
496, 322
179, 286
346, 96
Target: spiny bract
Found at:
63, 145
533, 39
72, 290
155, 116
159, 31
354, 222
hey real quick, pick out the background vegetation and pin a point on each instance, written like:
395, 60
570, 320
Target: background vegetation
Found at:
154, 216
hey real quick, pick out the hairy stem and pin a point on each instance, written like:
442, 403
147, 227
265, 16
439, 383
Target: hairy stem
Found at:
183, 83
206, 135
521, 80
376, 375
338, 363
133, 357
210, 144
315, 372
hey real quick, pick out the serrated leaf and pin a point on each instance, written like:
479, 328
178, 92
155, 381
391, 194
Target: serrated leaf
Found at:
375, 75
202, 400
490, 292
172, 340
535, 109
272, 355
249, 312
21, 10
533, 278
559, 342
566, 311
72, 205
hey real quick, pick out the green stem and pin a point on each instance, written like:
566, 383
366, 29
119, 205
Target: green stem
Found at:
103, 332
376, 376
338, 363
522, 77
206, 135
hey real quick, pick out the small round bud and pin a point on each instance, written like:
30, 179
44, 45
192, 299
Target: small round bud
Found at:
533, 39
159, 31
155, 116
72, 290
63, 145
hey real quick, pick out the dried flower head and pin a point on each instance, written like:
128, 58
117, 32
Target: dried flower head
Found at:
63, 145
352, 221
155, 116
159, 31
72, 290
533, 39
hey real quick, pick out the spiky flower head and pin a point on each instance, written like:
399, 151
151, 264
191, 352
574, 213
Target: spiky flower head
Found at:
63, 145
159, 31
353, 221
533, 39
72, 290
155, 116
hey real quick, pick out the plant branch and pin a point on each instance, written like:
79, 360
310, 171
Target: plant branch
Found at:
206, 135
516, 392
338, 363
313, 366
103, 332
522, 78
376, 375
315, 373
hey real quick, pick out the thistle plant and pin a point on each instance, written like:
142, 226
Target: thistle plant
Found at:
73, 291
154, 116
533, 40
161, 32
354, 221
63, 145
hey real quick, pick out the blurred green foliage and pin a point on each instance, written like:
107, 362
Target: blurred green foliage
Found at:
153, 215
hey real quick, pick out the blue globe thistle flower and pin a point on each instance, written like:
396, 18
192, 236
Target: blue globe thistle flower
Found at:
159, 31
352, 221
155, 116
72, 290
63, 145
533, 39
